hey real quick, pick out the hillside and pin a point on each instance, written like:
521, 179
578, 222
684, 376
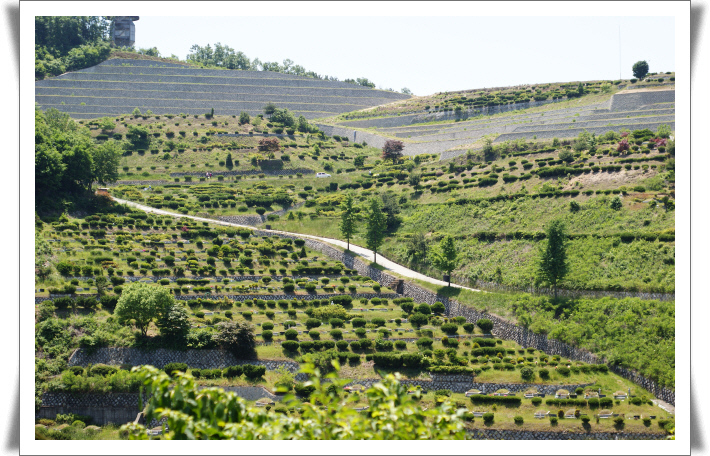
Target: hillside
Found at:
118, 86
242, 297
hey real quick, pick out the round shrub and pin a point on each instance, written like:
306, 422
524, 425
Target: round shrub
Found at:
527, 373
449, 328
342, 345
488, 417
355, 345
358, 322
563, 371
312, 323
378, 321
267, 335
400, 344
360, 332
252, 371
314, 334
291, 334
518, 419
468, 327
268, 326
336, 334
536, 400
544, 374
232, 371
485, 324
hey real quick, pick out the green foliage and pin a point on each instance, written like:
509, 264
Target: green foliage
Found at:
348, 218
142, 303
640, 69
237, 337
553, 264
444, 256
376, 225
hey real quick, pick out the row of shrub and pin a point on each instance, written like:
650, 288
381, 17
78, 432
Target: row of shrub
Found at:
503, 400
249, 370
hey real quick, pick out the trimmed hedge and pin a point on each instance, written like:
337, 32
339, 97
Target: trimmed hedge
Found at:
503, 400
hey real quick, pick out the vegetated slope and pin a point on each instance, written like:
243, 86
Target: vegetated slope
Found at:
452, 131
117, 86
630, 332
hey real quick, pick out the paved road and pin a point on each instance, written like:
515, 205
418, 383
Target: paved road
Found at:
360, 251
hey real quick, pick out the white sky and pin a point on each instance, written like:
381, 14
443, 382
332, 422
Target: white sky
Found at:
431, 54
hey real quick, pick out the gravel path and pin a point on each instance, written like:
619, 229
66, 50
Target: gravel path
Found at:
361, 251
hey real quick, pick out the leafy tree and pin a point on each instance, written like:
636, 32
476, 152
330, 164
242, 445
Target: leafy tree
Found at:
664, 131
283, 116
244, 118
270, 108
143, 303
105, 160
138, 136
101, 283
228, 162
376, 225
444, 257
580, 89
174, 323
237, 337
106, 123
49, 169
392, 150
269, 145
348, 218
302, 124
416, 247
406, 91
418, 319
392, 413
574, 206
553, 265
640, 69
391, 208
79, 163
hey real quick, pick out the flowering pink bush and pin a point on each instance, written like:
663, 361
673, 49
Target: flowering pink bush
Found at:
660, 141
624, 134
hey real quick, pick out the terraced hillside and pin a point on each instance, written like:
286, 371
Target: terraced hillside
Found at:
117, 86
452, 133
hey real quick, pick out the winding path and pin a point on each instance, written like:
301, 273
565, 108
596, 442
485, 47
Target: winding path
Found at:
360, 251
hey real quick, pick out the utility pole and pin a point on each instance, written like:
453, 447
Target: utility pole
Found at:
619, 51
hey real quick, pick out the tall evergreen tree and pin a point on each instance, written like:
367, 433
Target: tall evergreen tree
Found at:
553, 265
376, 225
444, 257
348, 218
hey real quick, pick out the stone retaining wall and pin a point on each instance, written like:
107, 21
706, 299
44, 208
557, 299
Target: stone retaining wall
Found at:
250, 172
504, 434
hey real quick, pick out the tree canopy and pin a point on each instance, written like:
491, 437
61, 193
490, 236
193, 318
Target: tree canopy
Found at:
376, 225
640, 69
392, 414
392, 150
348, 218
553, 265
444, 257
142, 303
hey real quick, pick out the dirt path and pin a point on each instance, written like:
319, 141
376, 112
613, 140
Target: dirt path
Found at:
360, 251
664, 405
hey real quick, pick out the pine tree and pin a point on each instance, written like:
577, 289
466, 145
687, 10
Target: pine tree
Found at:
553, 264
376, 225
229, 162
347, 223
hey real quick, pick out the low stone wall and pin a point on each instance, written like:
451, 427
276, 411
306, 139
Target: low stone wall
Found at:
251, 172
116, 408
201, 359
504, 434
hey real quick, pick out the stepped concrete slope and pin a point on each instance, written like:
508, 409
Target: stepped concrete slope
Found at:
633, 110
118, 86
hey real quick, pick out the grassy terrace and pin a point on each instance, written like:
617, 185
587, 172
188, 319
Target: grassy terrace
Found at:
449, 101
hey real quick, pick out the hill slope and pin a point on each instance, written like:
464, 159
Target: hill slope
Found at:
117, 86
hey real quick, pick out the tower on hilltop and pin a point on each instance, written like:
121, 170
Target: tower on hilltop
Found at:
124, 31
